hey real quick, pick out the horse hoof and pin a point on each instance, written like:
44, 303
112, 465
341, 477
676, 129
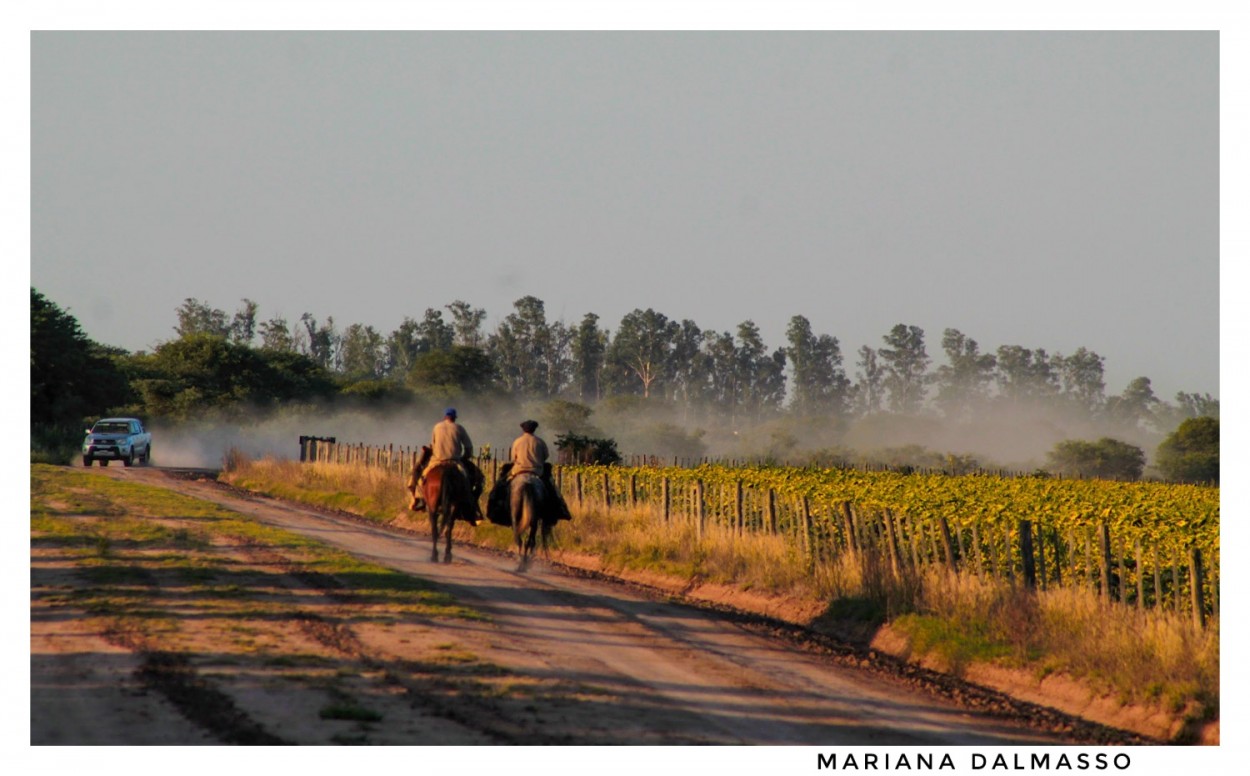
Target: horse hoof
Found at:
447, 559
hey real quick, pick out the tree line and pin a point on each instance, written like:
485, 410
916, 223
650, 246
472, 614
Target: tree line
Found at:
217, 360
731, 376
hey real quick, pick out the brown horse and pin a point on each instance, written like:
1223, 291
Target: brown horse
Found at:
447, 499
529, 501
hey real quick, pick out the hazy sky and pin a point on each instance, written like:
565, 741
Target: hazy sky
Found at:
1049, 190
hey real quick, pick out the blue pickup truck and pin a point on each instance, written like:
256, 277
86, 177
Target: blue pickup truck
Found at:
117, 439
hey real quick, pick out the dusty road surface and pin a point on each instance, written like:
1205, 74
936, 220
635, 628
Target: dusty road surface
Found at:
585, 661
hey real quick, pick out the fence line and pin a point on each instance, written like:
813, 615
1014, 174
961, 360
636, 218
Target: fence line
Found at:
1117, 568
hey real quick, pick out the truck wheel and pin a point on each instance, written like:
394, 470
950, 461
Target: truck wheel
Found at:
147, 456
86, 461
104, 462
129, 460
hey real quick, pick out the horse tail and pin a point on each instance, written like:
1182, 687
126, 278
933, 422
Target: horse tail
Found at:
447, 500
529, 505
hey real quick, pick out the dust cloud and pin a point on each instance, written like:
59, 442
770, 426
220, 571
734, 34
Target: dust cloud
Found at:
995, 436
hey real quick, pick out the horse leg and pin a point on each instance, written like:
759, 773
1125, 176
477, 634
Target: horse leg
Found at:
514, 510
546, 529
449, 522
531, 543
530, 523
434, 532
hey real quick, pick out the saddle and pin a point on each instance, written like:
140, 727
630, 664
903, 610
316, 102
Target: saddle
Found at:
499, 508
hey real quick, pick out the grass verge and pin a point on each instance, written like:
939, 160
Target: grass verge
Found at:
210, 599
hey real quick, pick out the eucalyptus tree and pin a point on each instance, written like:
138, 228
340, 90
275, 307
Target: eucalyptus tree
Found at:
466, 322
690, 368
412, 338
1135, 406
762, 379
243, 325
434, 333
964, 381
820, 386
276, 335
724, 391
1188, 405
588, 346
869, 391
319, 343
362, 352
559, 361
196, 317
402, 347
1025, 375
1198, 405
531, 355
1081, 379
642, 349
906, 366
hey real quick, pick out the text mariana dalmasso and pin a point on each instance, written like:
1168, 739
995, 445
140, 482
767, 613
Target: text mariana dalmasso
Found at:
903, 761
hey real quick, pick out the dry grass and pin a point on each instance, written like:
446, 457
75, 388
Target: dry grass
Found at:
1139, 655
368, 492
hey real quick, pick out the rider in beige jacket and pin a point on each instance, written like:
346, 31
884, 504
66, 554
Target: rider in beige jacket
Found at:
449, 442
529, 452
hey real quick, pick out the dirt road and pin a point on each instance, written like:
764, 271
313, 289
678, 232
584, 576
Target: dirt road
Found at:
629, 668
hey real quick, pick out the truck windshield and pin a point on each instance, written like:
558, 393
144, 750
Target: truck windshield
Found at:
111, 428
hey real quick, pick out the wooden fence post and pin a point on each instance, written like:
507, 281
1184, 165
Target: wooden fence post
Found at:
577, 482
807, 529
1195, 584
947, 544
607, 492
1009, 568
912, 539
1041, 556
698, 507
1026, 553
892, 540
976, 550
848, 521
738, 511
1058, 564
772, 511
1104, 559
665, 497
1177, 583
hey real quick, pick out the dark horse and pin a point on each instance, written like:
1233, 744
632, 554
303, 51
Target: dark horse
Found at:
447, 498
529, 501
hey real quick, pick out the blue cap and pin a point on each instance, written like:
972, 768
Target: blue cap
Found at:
451, 412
